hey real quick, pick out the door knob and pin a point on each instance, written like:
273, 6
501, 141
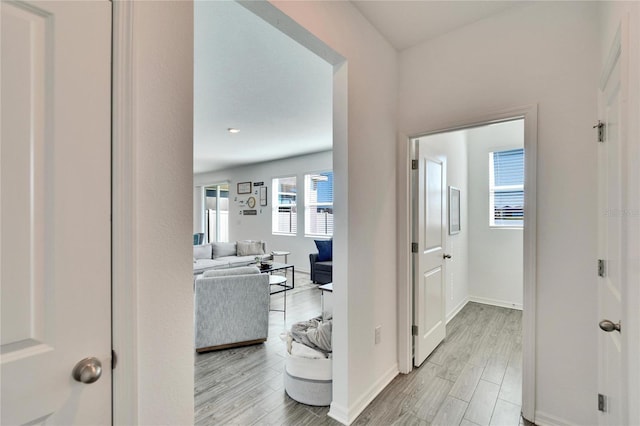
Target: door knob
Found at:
446, 256
609, 326
87, 370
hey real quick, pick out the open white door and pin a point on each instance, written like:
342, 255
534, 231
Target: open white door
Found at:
55, 212
428, 265
611, 230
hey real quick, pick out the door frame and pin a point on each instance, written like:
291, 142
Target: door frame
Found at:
405, 219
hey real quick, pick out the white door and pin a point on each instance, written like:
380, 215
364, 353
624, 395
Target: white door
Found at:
55, 251
428, 264
611, 289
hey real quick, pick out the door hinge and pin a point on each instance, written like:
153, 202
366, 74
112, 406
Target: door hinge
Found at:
600, 126
601, 268
414, 164
602, 403
414, 330
114, 359
414, 247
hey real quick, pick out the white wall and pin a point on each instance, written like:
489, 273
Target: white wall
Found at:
259, 227
453, 146
540, 53
495, 255
162, 43
369, 296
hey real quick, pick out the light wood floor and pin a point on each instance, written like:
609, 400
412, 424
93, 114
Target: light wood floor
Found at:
473, 378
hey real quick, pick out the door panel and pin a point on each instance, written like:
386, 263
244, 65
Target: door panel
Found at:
610, 286
429, 276
55, 210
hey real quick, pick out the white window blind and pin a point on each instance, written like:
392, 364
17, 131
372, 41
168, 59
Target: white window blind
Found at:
506, 188
318, 204
284, 218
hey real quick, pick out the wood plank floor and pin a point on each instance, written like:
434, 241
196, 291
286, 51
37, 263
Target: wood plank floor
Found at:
473, 378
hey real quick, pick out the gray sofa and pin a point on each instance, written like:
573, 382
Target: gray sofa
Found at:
228, 255
231, 308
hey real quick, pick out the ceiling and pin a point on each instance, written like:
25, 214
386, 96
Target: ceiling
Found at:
407, 23
252, 77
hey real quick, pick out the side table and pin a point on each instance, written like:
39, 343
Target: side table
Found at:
281, 253
327, 302
281, 281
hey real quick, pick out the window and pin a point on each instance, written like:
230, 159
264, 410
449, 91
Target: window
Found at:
284, 219
318, 204
506, 188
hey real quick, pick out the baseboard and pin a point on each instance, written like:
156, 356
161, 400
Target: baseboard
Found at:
544, 419
338, 413
358, 407
457, 309
495, 302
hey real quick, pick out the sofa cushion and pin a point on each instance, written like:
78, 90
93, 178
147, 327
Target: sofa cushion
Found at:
324, 266
202, 251
201, 265
223, 249
244, 270
248, 248
325, 250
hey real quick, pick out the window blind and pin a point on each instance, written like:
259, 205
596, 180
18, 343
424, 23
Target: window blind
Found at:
319, 204
506, 170
284, 218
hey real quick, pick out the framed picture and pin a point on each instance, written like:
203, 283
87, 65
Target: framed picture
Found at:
454, 210
263, 196
244, 187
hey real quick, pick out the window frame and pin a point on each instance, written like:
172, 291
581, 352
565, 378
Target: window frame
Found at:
308, 205
276, 205
493, 188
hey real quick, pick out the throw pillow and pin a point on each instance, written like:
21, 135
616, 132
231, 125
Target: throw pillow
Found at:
325, 250
249, 248
223, 249
202, 252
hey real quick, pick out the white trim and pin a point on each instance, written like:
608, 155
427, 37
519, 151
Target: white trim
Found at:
495, 302
404, 270
124, 284
544, 419
457, 309
369, 395
530, 115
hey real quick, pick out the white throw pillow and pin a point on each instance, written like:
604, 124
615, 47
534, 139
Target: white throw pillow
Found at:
249, 248
223, 249
202, 252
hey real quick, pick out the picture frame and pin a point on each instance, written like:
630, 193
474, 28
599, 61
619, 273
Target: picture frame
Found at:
244, 187
263, 196
454, 210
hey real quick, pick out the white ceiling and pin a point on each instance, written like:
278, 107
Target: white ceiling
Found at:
250, 76
407, 23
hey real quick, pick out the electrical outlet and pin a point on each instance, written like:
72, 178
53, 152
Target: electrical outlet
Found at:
378, 334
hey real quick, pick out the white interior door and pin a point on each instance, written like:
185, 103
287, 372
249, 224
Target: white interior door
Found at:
611, 289
55, 211
428, 264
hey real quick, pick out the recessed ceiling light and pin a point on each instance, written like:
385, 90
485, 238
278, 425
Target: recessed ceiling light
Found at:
232, 130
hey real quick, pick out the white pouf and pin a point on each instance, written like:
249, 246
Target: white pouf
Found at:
308, 381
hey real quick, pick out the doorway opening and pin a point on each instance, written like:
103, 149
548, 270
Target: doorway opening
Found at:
468, 209
274, 115
489, 257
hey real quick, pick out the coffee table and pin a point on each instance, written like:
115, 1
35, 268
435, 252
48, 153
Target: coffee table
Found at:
275, 266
